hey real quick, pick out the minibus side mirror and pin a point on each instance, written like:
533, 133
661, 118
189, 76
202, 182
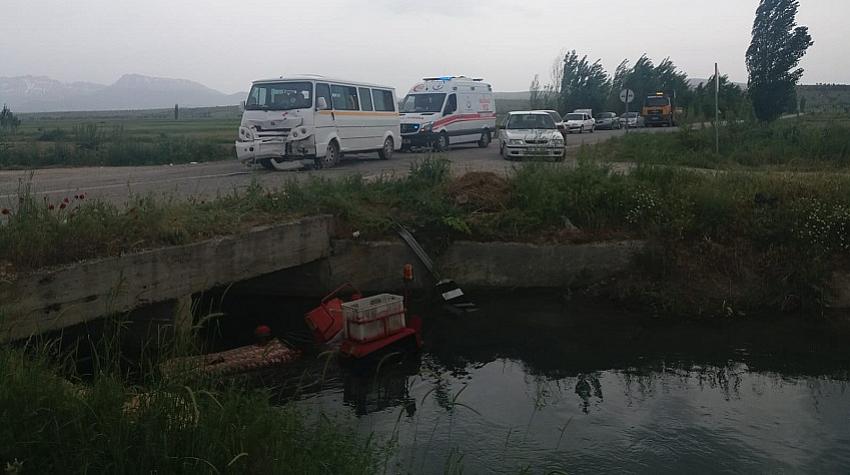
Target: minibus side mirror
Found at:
322, 104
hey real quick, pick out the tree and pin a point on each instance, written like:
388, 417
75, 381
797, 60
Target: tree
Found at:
732, 100
534, 98
8, 120
584, 84
777, 47
645, 79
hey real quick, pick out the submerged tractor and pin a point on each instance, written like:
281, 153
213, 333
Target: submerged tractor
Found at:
659, 110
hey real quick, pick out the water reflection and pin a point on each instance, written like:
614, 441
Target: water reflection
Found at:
548, 385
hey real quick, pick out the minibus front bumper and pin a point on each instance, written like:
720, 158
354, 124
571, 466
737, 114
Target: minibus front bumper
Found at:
299, 153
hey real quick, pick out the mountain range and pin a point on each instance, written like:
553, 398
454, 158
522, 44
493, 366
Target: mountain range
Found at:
131, 91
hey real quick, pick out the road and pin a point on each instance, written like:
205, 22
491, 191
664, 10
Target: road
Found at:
206, 180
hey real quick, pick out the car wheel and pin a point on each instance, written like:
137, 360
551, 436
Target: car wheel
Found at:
503, 152
331, 158
484, 142
386, 152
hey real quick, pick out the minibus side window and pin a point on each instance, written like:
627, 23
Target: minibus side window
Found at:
384, 100
345, 98
323, 90
365, 99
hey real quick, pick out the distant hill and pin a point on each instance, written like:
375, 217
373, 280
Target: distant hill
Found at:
828, 98
130, 92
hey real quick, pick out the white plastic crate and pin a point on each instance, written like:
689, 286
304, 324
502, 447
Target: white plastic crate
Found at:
372, 308
373, 318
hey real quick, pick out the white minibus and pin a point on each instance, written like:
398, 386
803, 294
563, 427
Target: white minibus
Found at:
304, 121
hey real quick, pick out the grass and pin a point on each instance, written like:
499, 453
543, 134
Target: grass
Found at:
119, 139
814, 142
754, 241
55, 421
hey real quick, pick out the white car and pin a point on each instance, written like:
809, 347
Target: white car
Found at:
559, 121
531, 134
580, 122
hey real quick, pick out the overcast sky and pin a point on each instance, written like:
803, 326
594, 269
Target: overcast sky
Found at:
227, 43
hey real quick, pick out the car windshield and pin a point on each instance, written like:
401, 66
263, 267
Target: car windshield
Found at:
656, 101
555, 116
630, 115
423, 103
574, 117
530, 121
606, 115
280, 96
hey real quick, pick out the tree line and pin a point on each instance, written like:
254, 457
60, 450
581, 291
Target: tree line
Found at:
772, 59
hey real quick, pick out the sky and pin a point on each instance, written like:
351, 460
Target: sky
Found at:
225, 44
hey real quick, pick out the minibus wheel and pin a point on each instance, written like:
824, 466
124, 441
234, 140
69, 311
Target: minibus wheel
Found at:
331, 158
266, 163
386, 152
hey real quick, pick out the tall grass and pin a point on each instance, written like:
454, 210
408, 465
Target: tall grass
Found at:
794, 144
760, 238
38, 232
53, 422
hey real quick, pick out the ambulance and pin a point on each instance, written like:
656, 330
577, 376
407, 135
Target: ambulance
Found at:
443, 111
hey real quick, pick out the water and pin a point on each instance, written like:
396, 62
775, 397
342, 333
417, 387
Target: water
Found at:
547, 384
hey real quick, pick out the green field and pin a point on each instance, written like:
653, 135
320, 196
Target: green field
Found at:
120, 138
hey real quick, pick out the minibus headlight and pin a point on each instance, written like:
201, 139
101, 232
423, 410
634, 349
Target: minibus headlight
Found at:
515, 142
246, 134
427, 127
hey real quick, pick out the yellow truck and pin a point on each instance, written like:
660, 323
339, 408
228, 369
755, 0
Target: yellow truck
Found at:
659, 110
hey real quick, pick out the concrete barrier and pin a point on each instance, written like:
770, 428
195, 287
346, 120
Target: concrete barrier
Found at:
58, 298
377, 267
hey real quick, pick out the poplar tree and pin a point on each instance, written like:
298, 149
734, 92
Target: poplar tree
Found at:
777, 47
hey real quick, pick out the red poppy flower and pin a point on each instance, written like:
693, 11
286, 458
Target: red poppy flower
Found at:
50, 207
6, 211
66, 200
62, 206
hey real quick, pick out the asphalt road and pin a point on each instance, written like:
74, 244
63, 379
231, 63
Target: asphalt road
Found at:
206, 180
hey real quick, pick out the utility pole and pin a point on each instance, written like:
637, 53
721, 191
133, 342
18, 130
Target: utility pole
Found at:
716, 109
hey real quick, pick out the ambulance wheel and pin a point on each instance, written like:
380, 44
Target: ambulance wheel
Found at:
331, 158
441, 144
386, 152
484, 142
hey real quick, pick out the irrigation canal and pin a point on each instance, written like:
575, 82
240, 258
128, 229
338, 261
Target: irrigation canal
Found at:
558, 384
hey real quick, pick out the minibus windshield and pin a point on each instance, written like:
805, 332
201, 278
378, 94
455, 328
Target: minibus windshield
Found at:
280, 96
423, 103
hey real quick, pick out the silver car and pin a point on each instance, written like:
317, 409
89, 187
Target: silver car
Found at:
531, 134
607, 121
632, 120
